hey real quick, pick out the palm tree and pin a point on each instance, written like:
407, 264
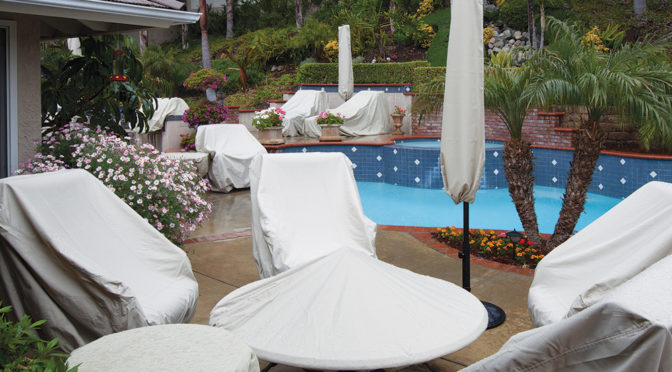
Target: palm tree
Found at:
505, 95
635, 81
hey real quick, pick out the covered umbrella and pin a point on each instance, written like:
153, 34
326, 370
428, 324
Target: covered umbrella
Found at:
346, 81
462, 129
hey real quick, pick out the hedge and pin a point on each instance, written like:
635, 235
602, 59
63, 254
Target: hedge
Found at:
425, 74
376, 73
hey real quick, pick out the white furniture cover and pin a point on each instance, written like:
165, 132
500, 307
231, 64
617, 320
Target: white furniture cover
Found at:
351, 311
303, 104
346, 79
366, 113
232, 148
617, 246
629, 329
305, 206
163, 108
73, 253
174, 347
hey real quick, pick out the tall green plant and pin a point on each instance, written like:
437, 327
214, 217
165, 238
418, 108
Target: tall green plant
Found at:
100, 87
164, 71
635, 81
506, 95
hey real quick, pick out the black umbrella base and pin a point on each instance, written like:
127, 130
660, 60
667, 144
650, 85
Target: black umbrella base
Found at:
496, 315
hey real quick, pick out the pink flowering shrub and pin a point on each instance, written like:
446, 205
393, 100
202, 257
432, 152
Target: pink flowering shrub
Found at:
205, 112
271, 117
167, 193
327, 118
206, 78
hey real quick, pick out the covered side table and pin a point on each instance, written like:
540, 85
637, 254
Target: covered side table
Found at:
175, 347
200, 159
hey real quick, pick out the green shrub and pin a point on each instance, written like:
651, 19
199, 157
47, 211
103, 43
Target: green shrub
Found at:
164, 69
22, 350
422, 75
514, 14
438, 50
380, 73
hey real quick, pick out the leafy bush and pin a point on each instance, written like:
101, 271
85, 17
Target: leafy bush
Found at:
164, 69
22, 350
167, 193
438, 50
203, 79
271, 117
381, 73
205, 112
514, 14
188, 141
258, 96
422, 75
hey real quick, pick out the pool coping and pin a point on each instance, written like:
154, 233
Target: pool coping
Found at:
423, 234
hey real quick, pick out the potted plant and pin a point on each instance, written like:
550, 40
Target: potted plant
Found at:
398, 119
330, 124
205, 112
269, 124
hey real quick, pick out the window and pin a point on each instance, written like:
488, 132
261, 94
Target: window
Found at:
8, 96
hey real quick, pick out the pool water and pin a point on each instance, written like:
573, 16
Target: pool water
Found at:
388, 204
436, 144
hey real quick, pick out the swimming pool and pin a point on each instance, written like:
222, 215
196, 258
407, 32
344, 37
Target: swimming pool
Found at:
388, 204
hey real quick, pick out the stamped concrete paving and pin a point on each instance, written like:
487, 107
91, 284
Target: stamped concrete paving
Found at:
226, 263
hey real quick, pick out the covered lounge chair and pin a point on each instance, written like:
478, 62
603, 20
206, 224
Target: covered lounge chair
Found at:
628, 329
303, 104
326, 301
620, 244
73, 253
232, 148
367, 113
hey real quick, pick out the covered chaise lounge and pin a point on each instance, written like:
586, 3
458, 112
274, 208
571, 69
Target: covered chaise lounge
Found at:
303, 104
232, 148
623, 242
326, 301
367, 113
73, 253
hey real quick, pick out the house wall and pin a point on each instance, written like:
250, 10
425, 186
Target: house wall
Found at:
28, 80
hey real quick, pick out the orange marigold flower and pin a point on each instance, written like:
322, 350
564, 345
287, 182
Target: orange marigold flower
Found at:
519, 254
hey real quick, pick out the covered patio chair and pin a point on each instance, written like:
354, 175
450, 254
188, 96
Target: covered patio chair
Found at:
620, 244
303, 104
367, 113
628, 329
232, 148
326, 301
73, 253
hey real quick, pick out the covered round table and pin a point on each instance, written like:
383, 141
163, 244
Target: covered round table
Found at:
175, 347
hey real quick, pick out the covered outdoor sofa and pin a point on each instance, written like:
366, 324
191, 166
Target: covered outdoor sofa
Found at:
303, 104
74, 254
326, 301
367, 113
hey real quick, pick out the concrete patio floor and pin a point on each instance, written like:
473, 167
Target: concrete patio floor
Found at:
222, 261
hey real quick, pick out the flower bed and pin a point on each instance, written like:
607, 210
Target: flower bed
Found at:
492, 246
167, 193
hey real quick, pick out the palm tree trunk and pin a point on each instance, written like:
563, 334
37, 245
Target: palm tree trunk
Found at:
588, 145
229, 19
299, 14
518, 167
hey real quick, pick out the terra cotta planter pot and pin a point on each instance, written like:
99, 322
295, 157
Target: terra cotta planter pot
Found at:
271, 136
398, 120
330, 133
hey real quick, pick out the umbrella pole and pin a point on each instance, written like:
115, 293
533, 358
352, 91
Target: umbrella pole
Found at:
466, 265
496, 315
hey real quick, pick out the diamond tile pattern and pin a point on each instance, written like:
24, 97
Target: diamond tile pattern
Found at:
614, 175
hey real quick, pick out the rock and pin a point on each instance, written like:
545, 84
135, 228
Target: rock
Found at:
506, 48
518, 43
273, 68
499, 44
280, 68
511, 41
526, 35
492, 40
527, 43
496, 49
517, 35
506, 33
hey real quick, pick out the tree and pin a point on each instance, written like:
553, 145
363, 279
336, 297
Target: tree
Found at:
635, 81
229, 19
205, 45
103, 87
639, 7
506, 95
299, 14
